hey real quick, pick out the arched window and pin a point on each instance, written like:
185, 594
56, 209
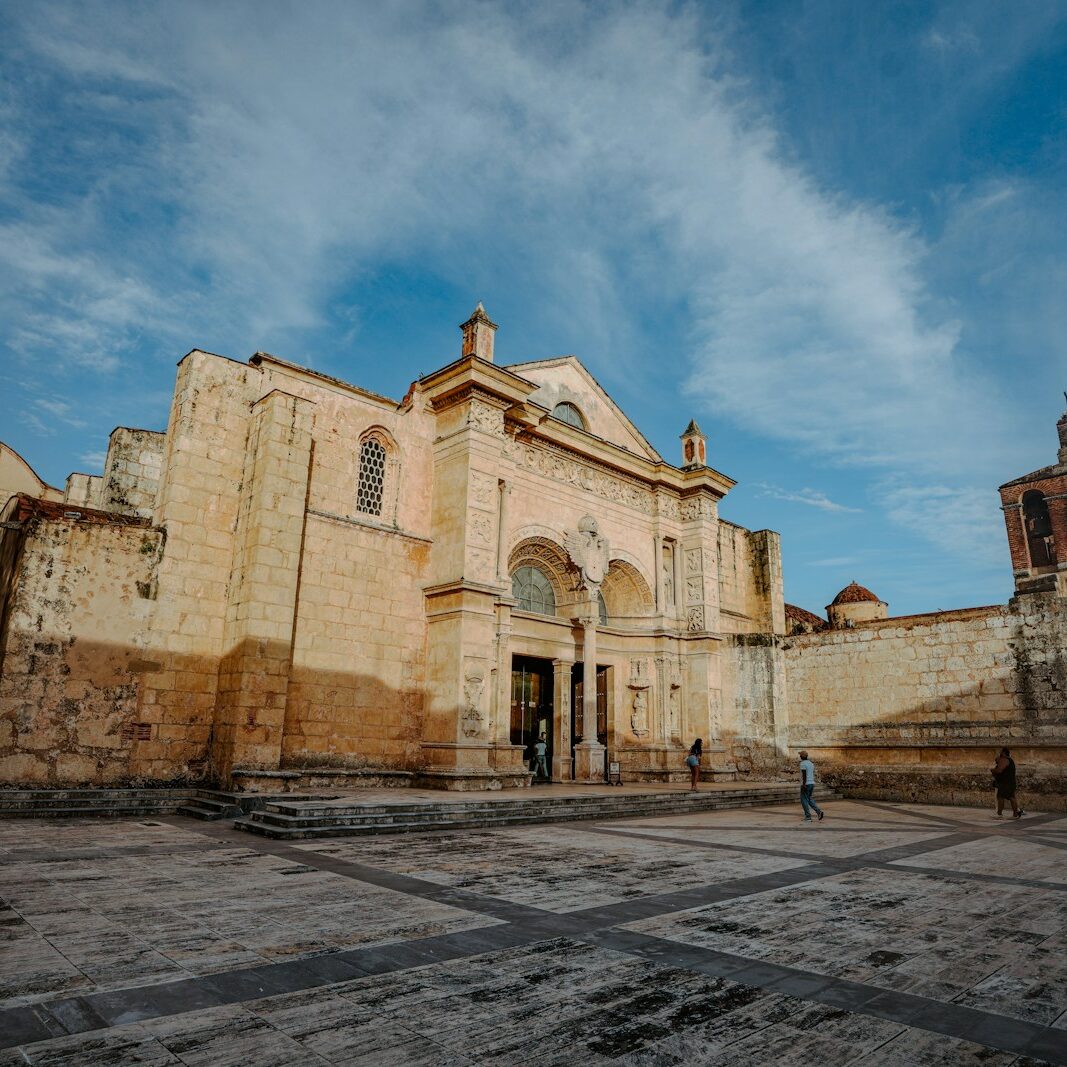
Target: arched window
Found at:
370, 493
568, 413
532, 589
1038, 526
602, 604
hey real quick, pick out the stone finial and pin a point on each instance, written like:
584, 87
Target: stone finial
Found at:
478, 333
694, 446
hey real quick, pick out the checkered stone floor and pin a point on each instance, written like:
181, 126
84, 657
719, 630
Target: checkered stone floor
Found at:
887, 934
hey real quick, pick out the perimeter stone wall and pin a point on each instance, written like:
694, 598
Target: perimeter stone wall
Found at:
916, 707
77, 642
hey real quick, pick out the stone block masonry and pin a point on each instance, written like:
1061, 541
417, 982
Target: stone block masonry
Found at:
916, 707
78, 589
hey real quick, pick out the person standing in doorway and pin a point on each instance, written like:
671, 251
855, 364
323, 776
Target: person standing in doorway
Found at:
541, 757
807, 788
1003, 772
692, 761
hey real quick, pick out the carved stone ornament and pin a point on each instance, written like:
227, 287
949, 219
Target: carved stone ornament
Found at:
485, 417
694, 590
473, 686
481, 528
564, 468
589, 553
484, 490
639, 716
638, 674
695, 620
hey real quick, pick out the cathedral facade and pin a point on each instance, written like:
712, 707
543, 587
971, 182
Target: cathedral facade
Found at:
302, 582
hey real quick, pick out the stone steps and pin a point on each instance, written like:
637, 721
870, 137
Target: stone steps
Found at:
288, 820
116, 803
106, 803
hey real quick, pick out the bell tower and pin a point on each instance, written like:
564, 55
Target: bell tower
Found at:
1035, 514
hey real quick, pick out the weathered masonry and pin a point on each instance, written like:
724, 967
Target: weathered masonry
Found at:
301, 583
300, 580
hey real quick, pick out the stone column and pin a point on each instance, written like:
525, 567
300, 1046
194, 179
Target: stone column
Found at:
562, 765
502, 533
663, 703
589, 753
661, 605
502, 711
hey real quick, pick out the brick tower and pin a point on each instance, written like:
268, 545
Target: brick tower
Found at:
1035, 513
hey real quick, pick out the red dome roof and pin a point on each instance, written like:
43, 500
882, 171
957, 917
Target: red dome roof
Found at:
854, 594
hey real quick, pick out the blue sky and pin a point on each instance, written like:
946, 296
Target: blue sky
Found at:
832, 232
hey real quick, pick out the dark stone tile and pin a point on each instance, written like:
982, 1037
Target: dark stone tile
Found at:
848, 995
800, 983
122, 1006
23, 1025
76, 1016
1012, 1035
1049, 1046
761, 975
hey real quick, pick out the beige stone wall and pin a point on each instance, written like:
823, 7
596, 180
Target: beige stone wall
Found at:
83, 490
17, 476
754, 690
750, 580
132, 469
935, 694
357, 683
76, 645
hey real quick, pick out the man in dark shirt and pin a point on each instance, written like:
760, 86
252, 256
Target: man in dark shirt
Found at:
1003, 772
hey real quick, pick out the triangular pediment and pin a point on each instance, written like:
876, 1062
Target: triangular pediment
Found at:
564, 380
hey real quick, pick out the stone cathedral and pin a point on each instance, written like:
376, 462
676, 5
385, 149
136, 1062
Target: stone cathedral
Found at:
302, 584
303, 580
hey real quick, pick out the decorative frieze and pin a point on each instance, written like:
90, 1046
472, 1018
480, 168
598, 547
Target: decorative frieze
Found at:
565, 468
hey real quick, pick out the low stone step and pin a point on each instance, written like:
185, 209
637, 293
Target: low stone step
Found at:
626, 803
210, 810
108, 812
289, 821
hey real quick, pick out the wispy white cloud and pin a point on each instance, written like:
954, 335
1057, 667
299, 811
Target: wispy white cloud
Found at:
58, 410
964, 523
93, 459
607, 152
811, 497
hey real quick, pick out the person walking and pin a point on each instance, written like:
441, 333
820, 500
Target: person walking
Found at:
807, 788
692, 761
1003, 772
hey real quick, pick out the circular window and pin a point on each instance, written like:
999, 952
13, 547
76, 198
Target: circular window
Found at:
532, 589
570, 414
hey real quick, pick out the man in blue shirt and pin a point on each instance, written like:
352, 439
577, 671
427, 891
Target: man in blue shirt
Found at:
807, 788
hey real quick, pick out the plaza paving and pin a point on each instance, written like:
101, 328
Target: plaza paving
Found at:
888, 934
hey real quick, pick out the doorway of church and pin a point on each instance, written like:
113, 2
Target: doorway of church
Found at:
577, 689
531, 714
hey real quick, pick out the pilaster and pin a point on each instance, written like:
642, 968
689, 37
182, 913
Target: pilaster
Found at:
254, 670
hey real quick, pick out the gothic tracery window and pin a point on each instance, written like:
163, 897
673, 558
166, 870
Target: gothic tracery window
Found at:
532, 589
370, 493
